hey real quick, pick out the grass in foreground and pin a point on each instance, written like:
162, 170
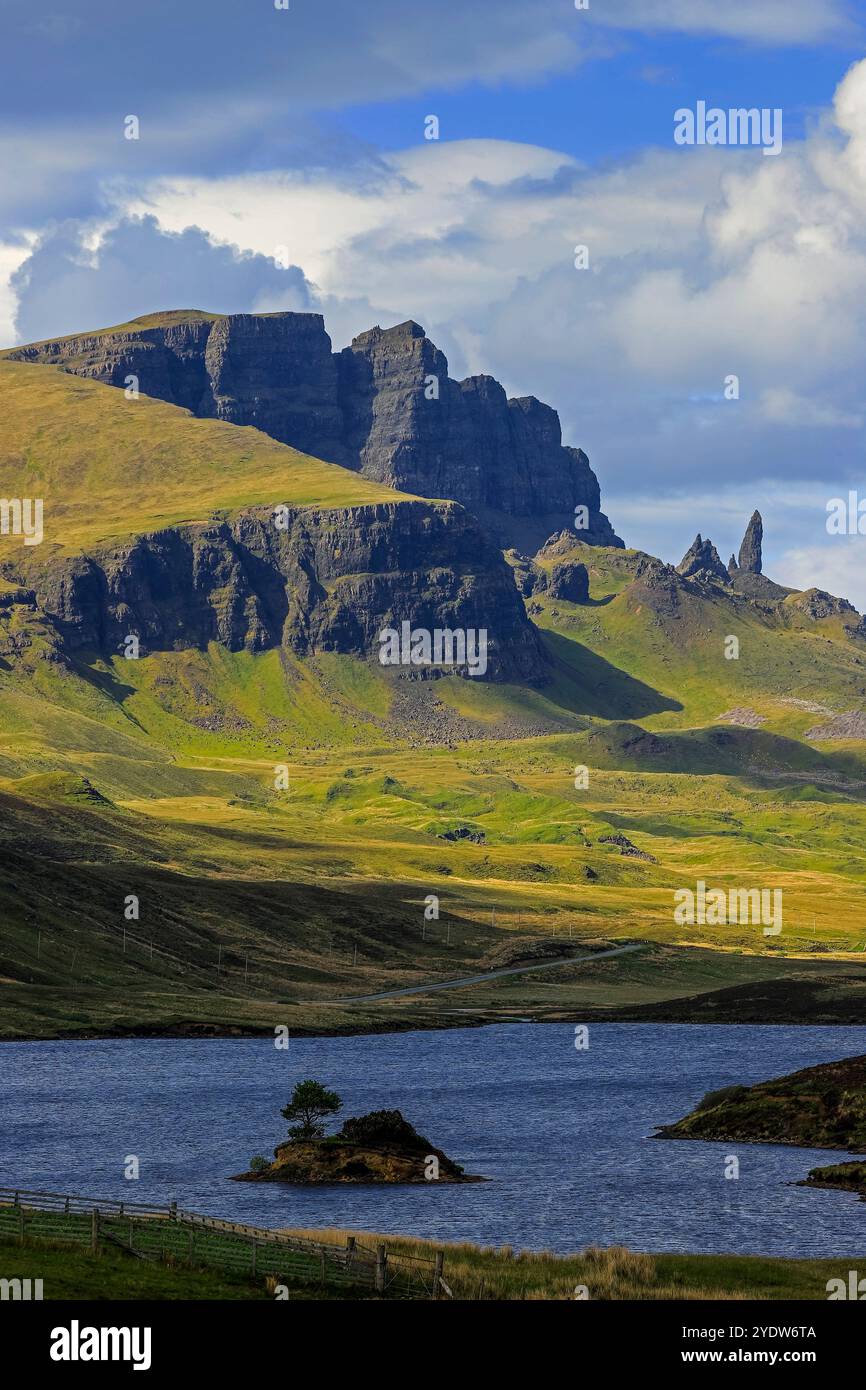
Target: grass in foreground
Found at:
474, 1271
471, 1272
75, 1273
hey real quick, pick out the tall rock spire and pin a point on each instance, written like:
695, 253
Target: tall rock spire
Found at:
750, 550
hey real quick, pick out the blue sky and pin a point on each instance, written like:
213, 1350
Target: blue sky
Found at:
299, 134
614, 106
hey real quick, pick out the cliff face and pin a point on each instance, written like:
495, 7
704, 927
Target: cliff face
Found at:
408, 424
327, 580
385, 406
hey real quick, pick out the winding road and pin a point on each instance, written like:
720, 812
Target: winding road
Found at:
489, 975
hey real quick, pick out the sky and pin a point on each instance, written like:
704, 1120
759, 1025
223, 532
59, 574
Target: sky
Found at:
282, 162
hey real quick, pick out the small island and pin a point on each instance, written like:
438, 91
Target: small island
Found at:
821, 1107
381, 1147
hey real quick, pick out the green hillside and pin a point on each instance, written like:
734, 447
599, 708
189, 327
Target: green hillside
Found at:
108, 468
672, 643
265, 902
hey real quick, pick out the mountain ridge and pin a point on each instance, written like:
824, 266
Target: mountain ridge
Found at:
384, 407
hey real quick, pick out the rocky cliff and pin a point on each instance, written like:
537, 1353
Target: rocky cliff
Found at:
326, 580
385, 406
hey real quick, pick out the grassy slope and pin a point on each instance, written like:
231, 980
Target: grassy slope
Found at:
349, 853
678, 652
109, 468
356, 843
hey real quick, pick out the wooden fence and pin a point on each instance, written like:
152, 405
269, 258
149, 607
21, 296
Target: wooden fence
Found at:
159, 1233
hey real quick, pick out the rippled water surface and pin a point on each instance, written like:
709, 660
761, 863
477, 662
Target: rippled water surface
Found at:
563, 1134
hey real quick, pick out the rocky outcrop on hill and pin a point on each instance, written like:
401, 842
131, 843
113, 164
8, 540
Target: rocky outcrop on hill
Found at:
850, 725
529, 577
817, 604
746, 572
570, 581
701, 562
326, 580
626, 847
384, 406
750, 549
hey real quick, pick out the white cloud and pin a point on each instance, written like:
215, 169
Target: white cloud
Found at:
11, 257
784, 407
762, 21
837, 567
89, 277
703, 263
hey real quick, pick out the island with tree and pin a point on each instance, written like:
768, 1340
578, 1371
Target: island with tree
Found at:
381, 1147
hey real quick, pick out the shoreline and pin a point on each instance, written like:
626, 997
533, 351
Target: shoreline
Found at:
205, 1032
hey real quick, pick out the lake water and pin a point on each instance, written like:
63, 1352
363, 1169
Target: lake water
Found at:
563, 1134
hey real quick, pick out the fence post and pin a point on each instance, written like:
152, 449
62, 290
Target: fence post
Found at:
323, 1268
381, 1261
350, 1251
20, 1223
172, 1212
94, 1230
437, 1272
253, 1268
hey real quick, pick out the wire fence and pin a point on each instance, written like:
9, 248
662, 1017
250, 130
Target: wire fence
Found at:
169, 1233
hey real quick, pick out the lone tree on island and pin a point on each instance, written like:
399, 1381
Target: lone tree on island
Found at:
310, 1103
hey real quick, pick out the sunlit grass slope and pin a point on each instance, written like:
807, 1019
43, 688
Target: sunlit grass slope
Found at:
636, 652
107, 467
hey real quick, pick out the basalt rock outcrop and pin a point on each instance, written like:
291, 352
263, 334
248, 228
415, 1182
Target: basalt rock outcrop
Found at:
750, 558
328, 580
385, 406
701, 562
746, 570
569, 580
